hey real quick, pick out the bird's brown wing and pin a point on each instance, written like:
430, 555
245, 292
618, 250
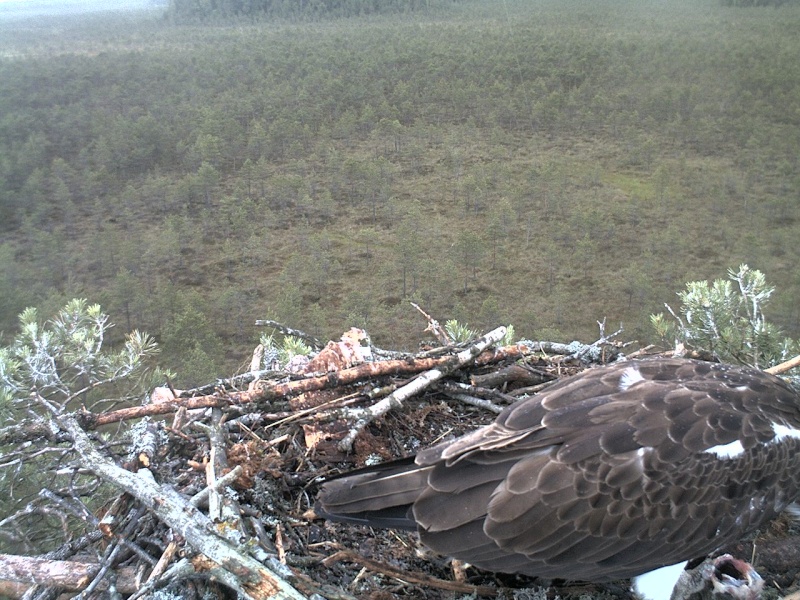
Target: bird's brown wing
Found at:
377, 496
606, 475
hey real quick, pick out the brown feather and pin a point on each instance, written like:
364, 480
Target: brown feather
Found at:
609, 474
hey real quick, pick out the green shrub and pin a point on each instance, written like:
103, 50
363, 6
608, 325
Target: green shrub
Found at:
726, 317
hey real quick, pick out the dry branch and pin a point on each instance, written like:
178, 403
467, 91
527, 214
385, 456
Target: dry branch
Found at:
254, 579
415, 578
396, 398
273, 391
69, 575
315, 342
433, 327
517, 374
784, 366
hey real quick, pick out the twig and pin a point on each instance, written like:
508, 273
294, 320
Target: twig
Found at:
396, 398
648, 350
106, 564
579, 350
415, 578
231, 383
217, 485
279, 543
290, 332
269, 392
183, 568
517, 374
256, 580
163, 562
471, 395
533, 389
32, 430
477, 402
433, 326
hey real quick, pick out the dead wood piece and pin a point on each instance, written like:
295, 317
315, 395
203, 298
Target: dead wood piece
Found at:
433, 327
181, 569
496, 355
517, 374
146, 438
476, 402
409, 577
69, 575
396, 398
219, 507
113, 515
649, 350
527, 391
352, 349
601, 351
258, 356
163, 562
475, 396
29, 430
784, 366
216, 485
196, 528
72, 547
269, 392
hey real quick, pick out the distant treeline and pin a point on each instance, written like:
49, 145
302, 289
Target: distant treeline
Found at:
212, 10
759, 2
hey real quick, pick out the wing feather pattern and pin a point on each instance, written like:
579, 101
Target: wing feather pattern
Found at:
609, 474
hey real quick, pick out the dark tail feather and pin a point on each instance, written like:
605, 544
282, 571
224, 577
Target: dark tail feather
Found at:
376, 496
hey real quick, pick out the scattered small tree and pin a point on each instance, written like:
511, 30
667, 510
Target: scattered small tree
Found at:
728, 320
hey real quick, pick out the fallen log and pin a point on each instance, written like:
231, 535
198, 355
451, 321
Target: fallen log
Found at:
72, 576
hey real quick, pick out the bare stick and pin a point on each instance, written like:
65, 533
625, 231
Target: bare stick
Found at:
433, 326
32, 430
281, 390
396, 398
784, 366
163, 562
67, 574
290, 332
415, 578
254, 579
474, 401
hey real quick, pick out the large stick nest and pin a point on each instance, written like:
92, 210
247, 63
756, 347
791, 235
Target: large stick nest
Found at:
234, 468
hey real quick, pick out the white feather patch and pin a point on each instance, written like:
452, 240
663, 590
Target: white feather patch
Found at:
658, 584
731, 450
782, 431
630, 376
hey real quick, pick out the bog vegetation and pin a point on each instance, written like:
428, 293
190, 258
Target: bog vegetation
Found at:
540, 163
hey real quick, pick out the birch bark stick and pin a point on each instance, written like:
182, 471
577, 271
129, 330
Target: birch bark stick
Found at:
396, 398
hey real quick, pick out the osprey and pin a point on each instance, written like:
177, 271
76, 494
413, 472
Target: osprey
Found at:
606, 475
